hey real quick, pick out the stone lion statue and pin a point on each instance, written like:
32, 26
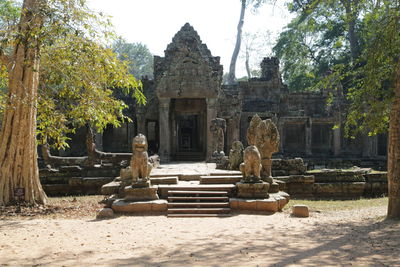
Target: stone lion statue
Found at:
251, 167
140, 166
235, 155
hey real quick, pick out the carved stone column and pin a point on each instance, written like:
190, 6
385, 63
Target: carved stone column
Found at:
308, 136
211, 114
165, 130
232, 132
336, 141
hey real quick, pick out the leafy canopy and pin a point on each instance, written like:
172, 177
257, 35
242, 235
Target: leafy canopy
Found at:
79, 75
138, 56
317, 51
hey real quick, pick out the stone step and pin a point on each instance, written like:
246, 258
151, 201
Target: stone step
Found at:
224, 173
199, 210
164, 180
199, 205
199, 215
163, 189
189, 192
196, 198
223, 179
158, 175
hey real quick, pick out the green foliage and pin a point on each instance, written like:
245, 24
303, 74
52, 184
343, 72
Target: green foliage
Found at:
373, 90
317, 53
77, 71
137, 55
312, 43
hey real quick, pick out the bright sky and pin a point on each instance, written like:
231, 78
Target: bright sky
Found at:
155, 22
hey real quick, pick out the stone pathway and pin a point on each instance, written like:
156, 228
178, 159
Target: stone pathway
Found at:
188, 169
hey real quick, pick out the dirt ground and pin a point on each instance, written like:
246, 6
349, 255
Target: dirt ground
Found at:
358, 237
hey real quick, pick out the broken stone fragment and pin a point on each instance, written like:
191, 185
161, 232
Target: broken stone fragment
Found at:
105, 213
300, 211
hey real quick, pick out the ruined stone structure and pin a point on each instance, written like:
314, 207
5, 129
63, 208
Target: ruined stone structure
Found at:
187, 94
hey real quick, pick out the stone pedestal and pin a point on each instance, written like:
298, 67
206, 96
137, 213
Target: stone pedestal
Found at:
252, 190
273, 187
140, 194
274, 203
121, 205
141, 183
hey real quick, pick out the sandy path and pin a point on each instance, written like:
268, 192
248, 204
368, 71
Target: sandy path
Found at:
325, 239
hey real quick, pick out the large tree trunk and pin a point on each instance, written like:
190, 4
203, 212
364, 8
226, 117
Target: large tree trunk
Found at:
351, 6
247, 63
232, 67
18, 154
394, 153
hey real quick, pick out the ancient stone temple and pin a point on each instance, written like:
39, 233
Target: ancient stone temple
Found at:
186, 87
187, 94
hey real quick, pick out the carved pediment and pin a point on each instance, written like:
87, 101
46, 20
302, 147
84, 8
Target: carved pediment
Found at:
188, 69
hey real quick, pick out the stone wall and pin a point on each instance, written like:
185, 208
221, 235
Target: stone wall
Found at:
335, 184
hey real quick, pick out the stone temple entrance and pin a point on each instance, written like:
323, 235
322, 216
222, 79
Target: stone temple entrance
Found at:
187, 83
189, 130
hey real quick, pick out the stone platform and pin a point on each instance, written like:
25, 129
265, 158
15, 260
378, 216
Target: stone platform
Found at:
274, 203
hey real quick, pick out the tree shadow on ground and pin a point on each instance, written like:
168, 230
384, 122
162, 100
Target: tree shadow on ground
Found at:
368, 243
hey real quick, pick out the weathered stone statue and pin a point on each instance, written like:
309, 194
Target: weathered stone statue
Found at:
251, 166
251, 185
264, 135
140, 166
252, 130
218, 127
267, 142
235, 155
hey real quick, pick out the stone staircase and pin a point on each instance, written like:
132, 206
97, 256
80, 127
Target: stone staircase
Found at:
220, 179
199, 201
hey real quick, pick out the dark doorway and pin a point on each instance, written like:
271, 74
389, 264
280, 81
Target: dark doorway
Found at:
322, 139
152, 130
294, 138
188, 133
189, 129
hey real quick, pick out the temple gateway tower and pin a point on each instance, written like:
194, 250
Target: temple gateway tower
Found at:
187, 82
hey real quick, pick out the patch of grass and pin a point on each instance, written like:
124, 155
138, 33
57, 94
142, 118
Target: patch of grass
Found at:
335, 205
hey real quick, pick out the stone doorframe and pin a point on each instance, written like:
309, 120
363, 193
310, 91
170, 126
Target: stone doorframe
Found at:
165, 127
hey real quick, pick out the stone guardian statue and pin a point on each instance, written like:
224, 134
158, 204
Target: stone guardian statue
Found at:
218, 127
140, 166
265, 136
